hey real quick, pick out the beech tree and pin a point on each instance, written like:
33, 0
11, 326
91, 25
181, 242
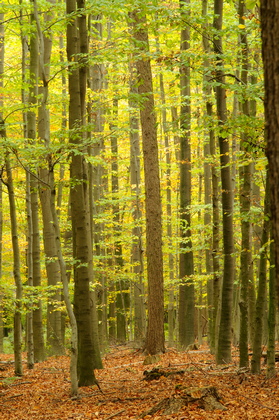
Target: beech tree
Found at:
269, 10
155, 338
186, 263
224, 339
80, 214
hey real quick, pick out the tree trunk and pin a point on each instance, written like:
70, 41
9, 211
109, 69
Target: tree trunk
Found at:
38, 338
269, 11
245, 191
224, 339
155, 339
211, 196
81, 226
186, 265
137, 251
271, 370
54, 337
2, 54
17, 277
261, 296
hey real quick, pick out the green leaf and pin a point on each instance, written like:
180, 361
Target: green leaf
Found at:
251, 3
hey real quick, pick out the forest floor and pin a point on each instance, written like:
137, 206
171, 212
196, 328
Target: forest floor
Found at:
44, 392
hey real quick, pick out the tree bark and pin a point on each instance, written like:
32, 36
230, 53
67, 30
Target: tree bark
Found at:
54, 336
245, 195
262, 285
224, 339
17, 277
81, 225
186, 264
155, 339
137, 251
269, 10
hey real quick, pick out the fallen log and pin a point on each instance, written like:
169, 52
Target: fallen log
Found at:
206, 398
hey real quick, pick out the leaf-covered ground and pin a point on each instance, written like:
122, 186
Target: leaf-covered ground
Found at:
43, 393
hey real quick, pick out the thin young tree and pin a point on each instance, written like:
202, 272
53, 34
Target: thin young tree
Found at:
211, 196
137, 251
245, 196
54, 336
30, 120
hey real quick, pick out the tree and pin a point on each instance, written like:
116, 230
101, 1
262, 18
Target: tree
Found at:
137, 251
224, 339
30, 119
155, 339
262, 286
186, 263
245, 202
81, 225
54, 334
269, 10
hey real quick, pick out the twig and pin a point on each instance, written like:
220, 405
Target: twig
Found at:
114, 414
14, 396
20, 383
259, 404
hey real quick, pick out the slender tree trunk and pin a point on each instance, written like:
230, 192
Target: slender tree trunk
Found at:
245, 205
137, 251
186, 270
18, 369
122, 286
96, 82
224, 339
261, 296
211, 196
31, 117
54, 337
155, 339
171, 309
67, 299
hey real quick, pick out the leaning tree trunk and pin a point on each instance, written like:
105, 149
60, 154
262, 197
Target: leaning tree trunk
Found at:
224, 339
155, 339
